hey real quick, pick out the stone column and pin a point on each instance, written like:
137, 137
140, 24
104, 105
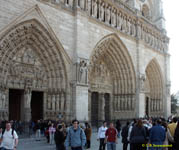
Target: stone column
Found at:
102, 106
89, 105
27, 102
140, 103
166, 96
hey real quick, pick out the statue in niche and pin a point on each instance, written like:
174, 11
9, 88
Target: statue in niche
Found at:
94, 9
139, 31
3, 100
101, 11
70, 2
82, 72
123, 27
28, 97
82, 4
142, 79
88, 6
113, 17
108, 14
133, 29
49, 102
119, 21
128, 27
53, 102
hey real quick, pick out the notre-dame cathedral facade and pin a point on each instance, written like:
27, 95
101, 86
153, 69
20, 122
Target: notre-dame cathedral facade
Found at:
86, 59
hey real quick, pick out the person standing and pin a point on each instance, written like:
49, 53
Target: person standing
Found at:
124, 135
101, 136
118, 127
176, 136
51, 133
157, 135
59, 138
76, 138
172, 126
138, 136
111, 137
88, 133
38, 132
9, 138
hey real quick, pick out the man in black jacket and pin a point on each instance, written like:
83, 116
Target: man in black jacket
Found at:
59, 138
124, 135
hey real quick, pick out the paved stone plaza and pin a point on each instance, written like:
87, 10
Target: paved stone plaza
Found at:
31, 144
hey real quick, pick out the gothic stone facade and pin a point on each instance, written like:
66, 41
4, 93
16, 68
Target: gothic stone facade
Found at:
85, 59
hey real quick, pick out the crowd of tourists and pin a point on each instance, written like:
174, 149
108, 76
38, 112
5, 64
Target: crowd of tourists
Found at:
139, 134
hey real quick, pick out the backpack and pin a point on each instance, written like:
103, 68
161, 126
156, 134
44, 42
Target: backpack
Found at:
12, 133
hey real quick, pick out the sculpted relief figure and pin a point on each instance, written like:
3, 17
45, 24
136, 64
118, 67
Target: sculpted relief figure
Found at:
94, 9
88, 6
123, 27
133, 29
108, 14
82, 75
142, 79
49, 102
28, 97
101, 11
128, 25
70, 3
82, 4
119, 20
139, 31
113, 17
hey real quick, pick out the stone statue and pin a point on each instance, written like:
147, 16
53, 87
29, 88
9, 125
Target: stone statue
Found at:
108, 14
142, 78
62, 102
53, 102
128, 27
113, 18
119, 21
89, 7
94, 9
101, 12
49, 102
82, 4
82, 72
123, 27
3, 98
57, 103
139, 31
28, 97
70, 3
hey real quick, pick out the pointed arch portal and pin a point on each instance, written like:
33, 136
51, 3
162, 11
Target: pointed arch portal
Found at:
111, 72
154, 89
31, 60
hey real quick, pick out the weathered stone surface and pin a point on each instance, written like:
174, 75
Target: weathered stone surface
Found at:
69, 48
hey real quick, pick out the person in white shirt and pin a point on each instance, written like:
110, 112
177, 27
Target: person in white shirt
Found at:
8, 138
101, 136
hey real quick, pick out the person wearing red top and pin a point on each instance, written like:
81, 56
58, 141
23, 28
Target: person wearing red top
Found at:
111, 137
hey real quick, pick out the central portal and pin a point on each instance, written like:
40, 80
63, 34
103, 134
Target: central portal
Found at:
37, 105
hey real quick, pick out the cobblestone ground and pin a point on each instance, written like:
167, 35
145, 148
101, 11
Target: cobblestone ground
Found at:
32, 144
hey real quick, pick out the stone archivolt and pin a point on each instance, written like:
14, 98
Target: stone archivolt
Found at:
125, 19
155, 80
118, 70
30, 59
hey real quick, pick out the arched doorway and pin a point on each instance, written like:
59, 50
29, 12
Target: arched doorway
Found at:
111, 74
154, 89
31, 60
